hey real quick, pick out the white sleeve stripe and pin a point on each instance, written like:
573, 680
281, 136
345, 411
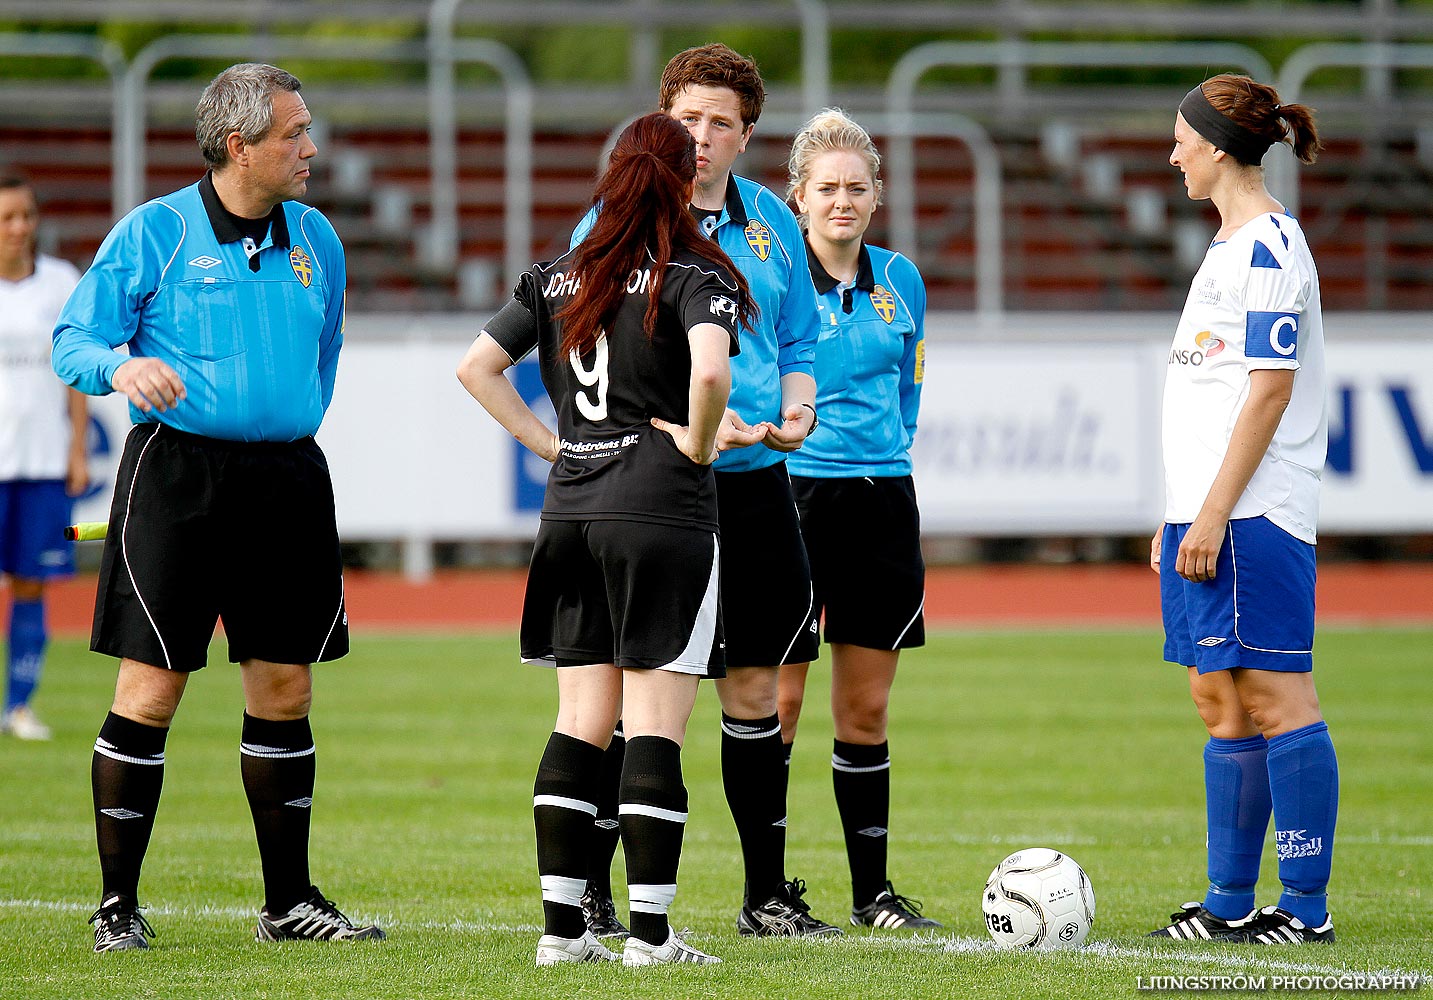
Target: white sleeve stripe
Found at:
183, 231
313, 252
894, 290
697, 267
776, 236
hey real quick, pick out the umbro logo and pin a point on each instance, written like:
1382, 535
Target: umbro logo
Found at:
873, 831
605, 824
1212, 640
781, 823
302, 803
205, 262
122, 813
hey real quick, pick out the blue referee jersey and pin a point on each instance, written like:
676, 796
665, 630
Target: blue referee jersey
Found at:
761, 236
870, 363
255, 338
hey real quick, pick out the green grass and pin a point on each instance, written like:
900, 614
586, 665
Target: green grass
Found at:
427, 747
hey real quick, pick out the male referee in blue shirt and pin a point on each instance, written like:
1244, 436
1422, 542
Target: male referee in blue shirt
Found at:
229, 296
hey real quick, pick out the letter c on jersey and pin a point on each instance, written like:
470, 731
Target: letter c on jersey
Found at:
1272, 335
1281, 324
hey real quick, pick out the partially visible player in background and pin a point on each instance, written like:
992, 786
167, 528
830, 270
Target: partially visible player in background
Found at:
718, 95
230, 297
854, 491
633, 330
1245, 438
42, 446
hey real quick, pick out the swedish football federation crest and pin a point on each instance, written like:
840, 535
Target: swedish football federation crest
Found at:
303, 267
758, 237
884, 302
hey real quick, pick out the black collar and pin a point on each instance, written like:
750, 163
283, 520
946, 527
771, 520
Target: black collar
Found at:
735, 208
865, 275
223, 223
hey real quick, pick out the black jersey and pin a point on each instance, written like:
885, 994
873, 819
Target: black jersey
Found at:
612, 463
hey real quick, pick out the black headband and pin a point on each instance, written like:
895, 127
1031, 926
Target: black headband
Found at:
1225, 133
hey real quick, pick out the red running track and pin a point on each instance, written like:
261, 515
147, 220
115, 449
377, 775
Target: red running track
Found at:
973, 596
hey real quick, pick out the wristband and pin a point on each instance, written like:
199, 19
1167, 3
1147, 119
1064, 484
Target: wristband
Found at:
815, 420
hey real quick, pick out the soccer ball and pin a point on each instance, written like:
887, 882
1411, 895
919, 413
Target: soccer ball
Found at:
1038, 898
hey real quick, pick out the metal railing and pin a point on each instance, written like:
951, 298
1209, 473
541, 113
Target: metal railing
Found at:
130, 158
444, 51
900, 122
1005, 55
1373, 58
61, 46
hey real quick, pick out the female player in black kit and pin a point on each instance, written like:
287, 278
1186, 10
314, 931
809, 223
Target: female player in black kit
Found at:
633, 329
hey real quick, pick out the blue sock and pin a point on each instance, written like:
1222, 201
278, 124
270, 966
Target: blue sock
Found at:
1303, 777
1236, 792
26, 652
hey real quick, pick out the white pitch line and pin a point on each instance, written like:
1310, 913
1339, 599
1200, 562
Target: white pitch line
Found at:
919, 942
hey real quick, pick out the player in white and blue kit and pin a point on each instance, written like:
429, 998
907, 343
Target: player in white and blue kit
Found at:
229, 296
1245, 437
42, 447
854, 490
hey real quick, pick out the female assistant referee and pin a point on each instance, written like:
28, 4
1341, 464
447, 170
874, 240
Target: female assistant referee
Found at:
634, 329
1245, 436
855, 470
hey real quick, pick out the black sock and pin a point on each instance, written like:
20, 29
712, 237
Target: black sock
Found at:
605, 829
753, 773
277, 763
862, 776
562, 811
653, 814
127, 773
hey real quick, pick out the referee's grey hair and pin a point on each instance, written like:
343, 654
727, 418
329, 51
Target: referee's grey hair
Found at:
240, 99
827, 131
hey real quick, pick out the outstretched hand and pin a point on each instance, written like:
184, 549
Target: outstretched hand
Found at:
796, 424
733, 432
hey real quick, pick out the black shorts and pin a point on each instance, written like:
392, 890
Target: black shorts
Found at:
633, 593
765, 578
202, 529
863, 538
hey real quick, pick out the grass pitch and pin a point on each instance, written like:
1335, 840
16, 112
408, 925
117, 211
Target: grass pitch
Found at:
427, 747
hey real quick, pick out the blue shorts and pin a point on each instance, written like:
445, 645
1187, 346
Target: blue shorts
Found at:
1257, 612
33, 515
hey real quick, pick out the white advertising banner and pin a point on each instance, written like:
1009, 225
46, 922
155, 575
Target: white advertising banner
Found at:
1379, 476
1037, 438
1015, 438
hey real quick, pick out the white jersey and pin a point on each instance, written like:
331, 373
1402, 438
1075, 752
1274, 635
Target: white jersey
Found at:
1254, 304
34, 409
